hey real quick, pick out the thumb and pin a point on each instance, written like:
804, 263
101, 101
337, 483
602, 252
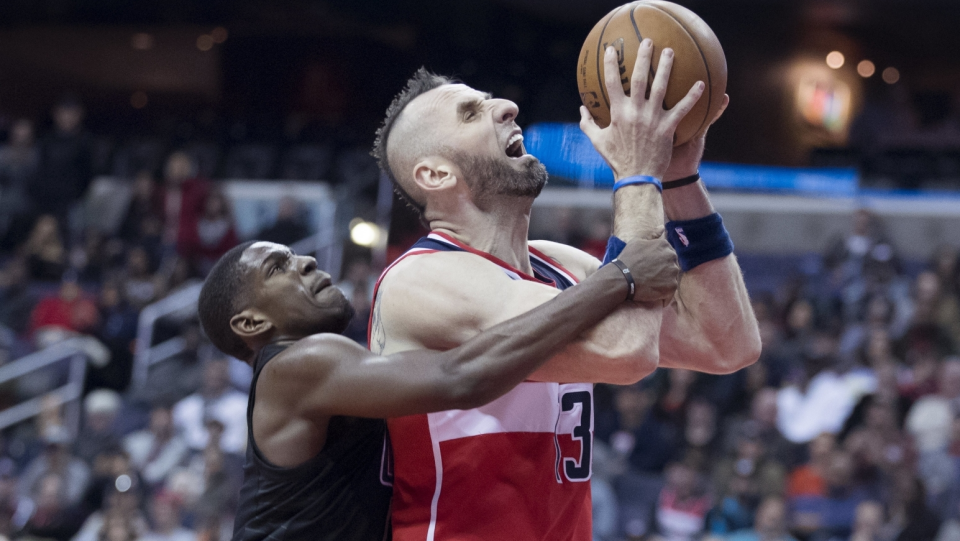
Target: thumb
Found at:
588, 125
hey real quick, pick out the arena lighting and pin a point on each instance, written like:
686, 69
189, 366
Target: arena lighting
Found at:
219, 34
866, 68
835, 59
364, 234
205, 42
891, 75
123, 483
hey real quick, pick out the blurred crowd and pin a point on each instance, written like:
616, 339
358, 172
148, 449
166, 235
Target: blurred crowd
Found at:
155, 460
848, 427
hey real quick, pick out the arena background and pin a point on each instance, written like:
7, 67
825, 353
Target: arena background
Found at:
143, 139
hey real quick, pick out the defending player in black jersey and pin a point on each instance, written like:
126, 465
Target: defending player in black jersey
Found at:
316, 442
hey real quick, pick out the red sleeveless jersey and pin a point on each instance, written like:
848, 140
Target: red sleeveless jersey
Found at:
517, 468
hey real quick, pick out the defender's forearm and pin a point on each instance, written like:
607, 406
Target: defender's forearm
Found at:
504, 355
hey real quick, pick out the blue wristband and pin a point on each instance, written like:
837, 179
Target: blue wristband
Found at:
698, 241
638, 179
614, 247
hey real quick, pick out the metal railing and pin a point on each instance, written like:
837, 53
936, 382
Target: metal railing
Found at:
183, 304
71, 350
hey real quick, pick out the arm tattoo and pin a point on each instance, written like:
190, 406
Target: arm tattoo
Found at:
378, 335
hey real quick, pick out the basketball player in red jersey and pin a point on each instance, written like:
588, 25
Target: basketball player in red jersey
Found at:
519, 467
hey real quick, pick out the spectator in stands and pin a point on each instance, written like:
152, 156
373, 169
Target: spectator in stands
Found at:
215, 400
66, 164
69, 311
700, 434
737, 501
290, 226
750, 460
809, 479
762, 424
19, 160
945, 266
770, 523
879, 446
832, 514
219, 491
157, 450
182, 196
143, 204
73, 475
868, 523
16, 300
140, 287
100, 410
44, 250
117, 331
683, 504
214, 234
54, 516
165, 511
94, 258
820, 399
910, 515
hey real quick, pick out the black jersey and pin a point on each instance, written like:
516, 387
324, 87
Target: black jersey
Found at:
342, 493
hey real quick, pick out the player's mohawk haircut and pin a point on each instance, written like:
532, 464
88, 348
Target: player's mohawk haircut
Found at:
422, 82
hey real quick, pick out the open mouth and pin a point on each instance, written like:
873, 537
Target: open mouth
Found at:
515, 147
321, 285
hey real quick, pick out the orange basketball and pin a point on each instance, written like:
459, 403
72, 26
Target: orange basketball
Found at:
697, 57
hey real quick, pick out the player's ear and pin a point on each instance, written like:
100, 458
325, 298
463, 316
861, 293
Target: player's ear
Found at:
250, 324
434, 173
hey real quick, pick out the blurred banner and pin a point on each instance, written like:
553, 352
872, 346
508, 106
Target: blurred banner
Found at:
568, 153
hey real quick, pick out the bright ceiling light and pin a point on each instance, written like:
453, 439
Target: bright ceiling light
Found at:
835, 59
866, 68
891, 75
365, 233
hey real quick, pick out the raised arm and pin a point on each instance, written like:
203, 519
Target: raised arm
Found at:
329, 375
710, 326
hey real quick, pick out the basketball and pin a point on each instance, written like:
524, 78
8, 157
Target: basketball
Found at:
697, 57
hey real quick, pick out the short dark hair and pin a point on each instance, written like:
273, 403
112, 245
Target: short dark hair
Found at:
220, 299
422, 82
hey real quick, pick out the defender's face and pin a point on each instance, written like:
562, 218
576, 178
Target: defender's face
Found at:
297, 297
476, 123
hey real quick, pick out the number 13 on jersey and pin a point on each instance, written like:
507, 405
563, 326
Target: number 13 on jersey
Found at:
574, 434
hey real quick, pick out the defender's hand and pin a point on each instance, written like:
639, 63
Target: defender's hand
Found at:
685, 160
653, 264
639, 139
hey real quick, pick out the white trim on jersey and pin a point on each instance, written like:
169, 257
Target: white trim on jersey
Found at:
438, 465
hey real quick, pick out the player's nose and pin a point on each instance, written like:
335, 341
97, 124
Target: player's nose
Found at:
505, 110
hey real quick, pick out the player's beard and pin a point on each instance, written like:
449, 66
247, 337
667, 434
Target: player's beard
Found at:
489, 177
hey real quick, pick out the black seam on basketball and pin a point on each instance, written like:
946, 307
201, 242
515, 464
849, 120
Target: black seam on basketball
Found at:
600, 79
651, 73
706, 66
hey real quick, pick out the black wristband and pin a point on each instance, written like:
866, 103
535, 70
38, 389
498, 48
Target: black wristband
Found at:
632, 286
681, 181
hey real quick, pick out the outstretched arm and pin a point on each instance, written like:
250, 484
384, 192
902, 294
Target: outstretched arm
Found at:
331, 375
